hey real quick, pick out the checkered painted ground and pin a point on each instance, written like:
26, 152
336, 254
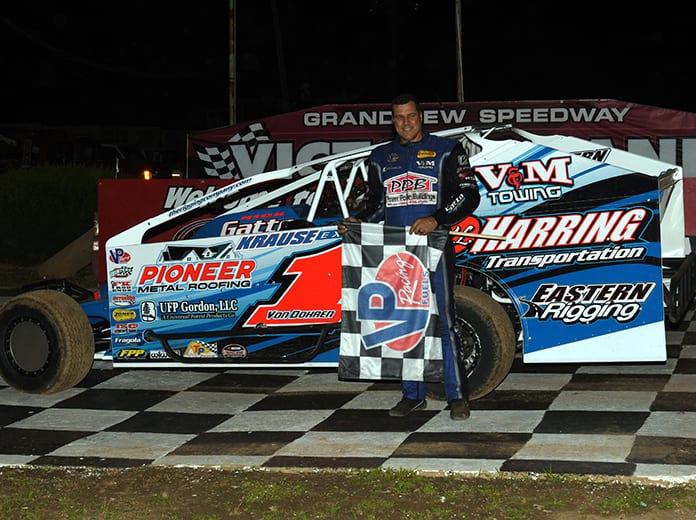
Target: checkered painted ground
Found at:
617, 420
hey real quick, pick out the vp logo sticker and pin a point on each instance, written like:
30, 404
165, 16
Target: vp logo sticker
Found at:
395, 308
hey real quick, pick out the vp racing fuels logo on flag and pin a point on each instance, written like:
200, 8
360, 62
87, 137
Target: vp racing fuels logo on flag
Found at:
395, 307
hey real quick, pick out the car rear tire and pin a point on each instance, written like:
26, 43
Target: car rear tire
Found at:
487, 340
46, 342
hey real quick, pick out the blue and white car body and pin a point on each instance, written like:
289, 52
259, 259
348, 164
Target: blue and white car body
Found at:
567, 259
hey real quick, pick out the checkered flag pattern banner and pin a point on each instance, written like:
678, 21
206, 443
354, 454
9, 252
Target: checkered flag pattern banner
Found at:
221, 159
389, 318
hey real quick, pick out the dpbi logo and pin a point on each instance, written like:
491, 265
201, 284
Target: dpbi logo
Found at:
394, 309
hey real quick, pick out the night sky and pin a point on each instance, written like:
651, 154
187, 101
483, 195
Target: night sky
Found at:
164, 64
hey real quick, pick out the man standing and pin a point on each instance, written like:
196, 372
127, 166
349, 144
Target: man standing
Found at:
424, 182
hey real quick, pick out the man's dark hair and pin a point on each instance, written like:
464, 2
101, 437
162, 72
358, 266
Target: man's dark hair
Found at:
402, 99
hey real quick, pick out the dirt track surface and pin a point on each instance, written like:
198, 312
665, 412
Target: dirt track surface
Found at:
171, 493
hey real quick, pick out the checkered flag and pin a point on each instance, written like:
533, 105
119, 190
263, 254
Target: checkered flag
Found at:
389, 320
221, 159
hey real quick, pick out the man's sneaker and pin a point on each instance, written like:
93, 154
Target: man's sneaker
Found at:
406, 406
459, 409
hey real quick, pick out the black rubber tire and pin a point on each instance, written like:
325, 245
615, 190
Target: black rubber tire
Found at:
46, 342
487, 340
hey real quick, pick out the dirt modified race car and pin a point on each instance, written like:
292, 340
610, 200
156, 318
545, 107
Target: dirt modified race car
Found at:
576, 253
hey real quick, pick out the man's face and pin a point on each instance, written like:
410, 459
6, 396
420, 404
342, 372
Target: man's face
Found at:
408, 122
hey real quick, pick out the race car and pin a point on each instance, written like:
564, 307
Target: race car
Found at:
568, 258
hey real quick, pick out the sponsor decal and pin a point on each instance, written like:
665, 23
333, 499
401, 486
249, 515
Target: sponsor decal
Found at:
410, 182
426, 154
589, 303
125, 328
456, 202
287, 238
121, 286
123, 314
529, 180
121, 272
158, 354
410, 188
200, 349
179, 195
131, 353
396, 304
234, 351
195, 276
148, 311
119, 256
607, 254
182, 310
599, 154
252, 224
136, 340
300, 314
211, 194
123, 300
551, 231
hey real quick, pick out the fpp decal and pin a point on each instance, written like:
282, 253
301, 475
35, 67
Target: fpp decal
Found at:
132, 353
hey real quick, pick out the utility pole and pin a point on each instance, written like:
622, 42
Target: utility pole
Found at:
233, 66
460, 64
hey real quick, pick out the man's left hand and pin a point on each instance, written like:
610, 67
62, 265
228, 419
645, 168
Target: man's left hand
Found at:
423, 226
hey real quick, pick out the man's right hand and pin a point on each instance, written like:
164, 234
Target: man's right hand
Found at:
342, 229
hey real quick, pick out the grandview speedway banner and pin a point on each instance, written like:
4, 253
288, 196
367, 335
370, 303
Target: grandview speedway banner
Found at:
218, 156
286, 139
